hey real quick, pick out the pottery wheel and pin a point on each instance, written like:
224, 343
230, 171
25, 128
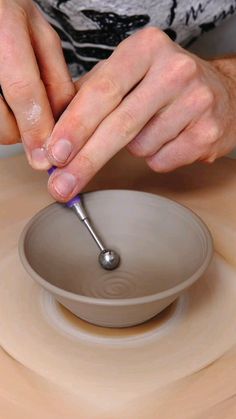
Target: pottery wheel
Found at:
46, 338
105, 373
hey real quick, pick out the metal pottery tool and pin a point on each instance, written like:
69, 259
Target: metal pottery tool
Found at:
108, 258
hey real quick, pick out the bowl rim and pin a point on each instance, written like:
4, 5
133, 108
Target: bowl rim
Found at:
60, 292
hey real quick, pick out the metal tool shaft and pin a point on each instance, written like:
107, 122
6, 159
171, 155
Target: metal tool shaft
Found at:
93, 234
80, 211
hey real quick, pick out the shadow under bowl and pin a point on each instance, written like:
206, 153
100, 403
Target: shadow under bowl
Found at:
164, 248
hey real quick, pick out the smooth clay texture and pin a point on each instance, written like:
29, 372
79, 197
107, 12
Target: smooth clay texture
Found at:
164, 249
179, 365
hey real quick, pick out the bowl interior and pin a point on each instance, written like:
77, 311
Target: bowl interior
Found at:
160, 242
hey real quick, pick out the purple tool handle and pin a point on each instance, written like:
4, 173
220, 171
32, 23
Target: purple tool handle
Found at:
72, 201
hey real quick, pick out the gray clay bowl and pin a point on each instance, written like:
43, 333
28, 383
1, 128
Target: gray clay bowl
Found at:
164, 249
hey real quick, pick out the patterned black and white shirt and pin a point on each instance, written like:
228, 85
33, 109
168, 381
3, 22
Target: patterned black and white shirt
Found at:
91, 29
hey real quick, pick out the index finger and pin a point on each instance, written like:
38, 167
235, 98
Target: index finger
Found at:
23, 88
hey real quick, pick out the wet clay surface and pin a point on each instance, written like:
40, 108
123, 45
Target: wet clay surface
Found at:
164, 249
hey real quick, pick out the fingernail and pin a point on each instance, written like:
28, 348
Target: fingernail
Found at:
39, 159
61, 150
64, 184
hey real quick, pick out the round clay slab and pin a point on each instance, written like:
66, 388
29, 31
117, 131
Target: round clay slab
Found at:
164, 248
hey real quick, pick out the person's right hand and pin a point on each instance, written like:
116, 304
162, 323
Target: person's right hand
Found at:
34, 79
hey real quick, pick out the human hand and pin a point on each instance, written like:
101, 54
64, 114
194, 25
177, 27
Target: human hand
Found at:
167, 105
34, 79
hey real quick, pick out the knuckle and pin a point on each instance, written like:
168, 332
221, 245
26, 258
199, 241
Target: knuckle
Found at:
155, 165
213, 133
18, 89
32, 133
162, 119
136, 148
206, 97
206, 135
86, 164
126, 123
152, 36
185, 66
192, 102
70, 123
106, 86
200, 99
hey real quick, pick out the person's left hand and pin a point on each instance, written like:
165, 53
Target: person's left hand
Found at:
167, 105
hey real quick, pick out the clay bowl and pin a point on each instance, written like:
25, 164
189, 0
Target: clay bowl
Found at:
164, 249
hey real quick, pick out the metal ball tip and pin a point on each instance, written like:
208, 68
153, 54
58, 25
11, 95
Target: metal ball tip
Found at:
109, 259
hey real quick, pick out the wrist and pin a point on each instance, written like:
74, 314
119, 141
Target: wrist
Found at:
226, 69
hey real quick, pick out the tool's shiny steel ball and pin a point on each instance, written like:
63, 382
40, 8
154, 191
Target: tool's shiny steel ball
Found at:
109, 259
